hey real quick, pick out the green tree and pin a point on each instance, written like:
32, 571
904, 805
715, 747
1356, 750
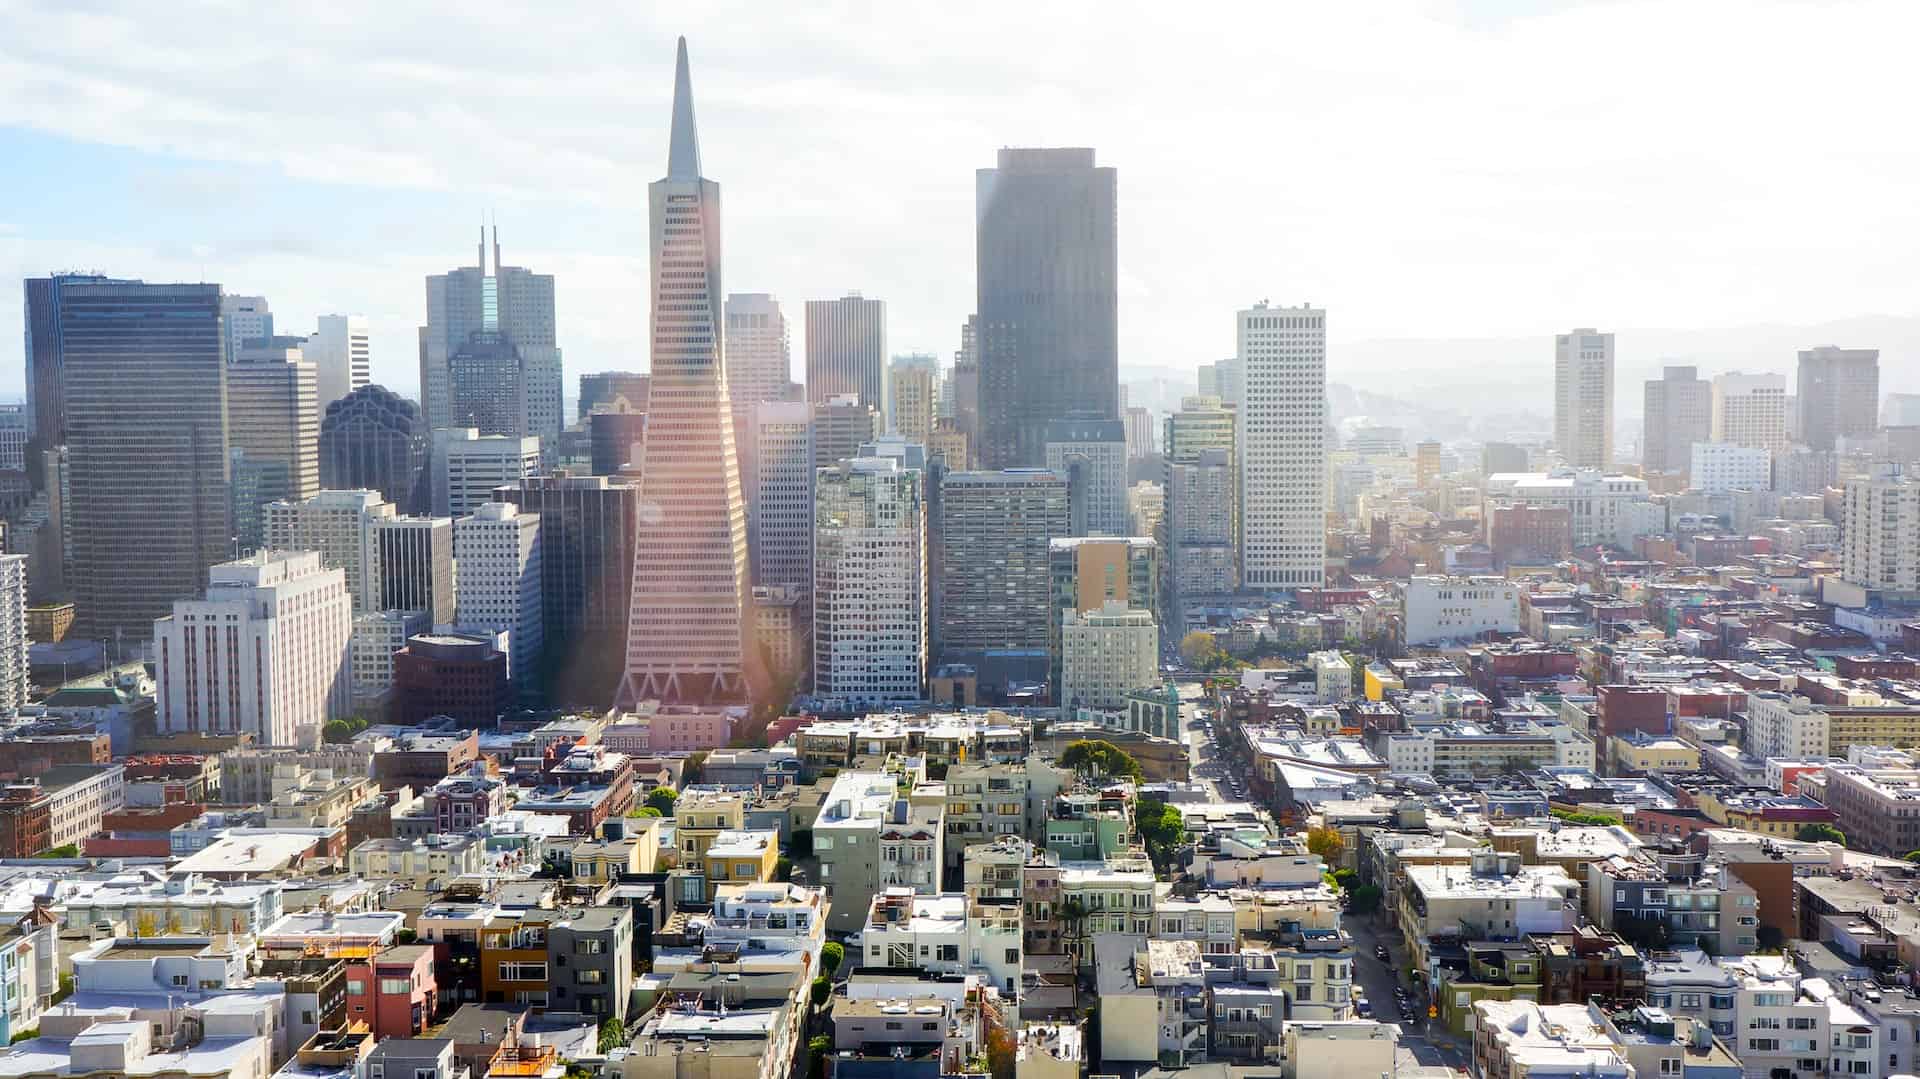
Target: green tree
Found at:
831, 956
818, 1047
1161, 828
1913, 856
1599, 820
1326, 842
822, 989
663, 799
1345, 879
1820, 833
1365, 898
645, 811
613, 1033
64, 850
783, 868
696, 767
1100, 757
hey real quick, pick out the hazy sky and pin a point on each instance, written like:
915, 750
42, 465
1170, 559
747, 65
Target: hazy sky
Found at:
1422, 169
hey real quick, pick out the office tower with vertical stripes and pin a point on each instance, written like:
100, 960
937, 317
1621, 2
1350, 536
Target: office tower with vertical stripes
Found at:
1679, 412
687, 631
341, 355
149, 501
516, 304
847, 349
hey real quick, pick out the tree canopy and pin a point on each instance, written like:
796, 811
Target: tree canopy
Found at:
1100, 757
1820, 833
662, 799
1327, 843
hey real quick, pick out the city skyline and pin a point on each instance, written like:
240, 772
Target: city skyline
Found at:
299, 229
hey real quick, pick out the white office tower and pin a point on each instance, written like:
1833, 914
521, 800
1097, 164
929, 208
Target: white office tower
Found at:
688, 621
1281, 446
1880, 532
847, 349
1750, 410
13, 633
339, 525
264, 653
1106, 654
1721, 467
870, 583
496, 559
467, 466
1583, 398
243, 319
783, 499
1092, 453
759, 349
342, 356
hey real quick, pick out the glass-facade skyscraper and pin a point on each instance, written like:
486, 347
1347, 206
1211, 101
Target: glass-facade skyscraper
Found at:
1048, 324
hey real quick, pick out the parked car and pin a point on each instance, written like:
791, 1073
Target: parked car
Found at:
1361, 1006
1381, 953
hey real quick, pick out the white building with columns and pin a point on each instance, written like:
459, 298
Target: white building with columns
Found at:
264, 652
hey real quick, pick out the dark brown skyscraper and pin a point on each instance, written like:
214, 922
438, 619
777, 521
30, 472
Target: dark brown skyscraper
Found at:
1046, 266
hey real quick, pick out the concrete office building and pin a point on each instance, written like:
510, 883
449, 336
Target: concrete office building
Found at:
783, 497
1092, 453
342, 356
510, 300
1225, 379
996, 531
285, 621
841, 425
1046, 270
759, 370
1106, 653
1444, 610
377, 635
847, 350
1583, 398
1199, 523
759, 350
415, 558
467, 466
1750, 410
273, 414
147, 509
1281, 450
1838, 395
910, 409
340, 526
588, 526
687, 629
1601, 508
1678, 413
870, 583
1142, 435
497, 559
1720, 467
244, 319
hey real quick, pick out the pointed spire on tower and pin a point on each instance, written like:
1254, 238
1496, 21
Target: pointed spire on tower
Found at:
683, 155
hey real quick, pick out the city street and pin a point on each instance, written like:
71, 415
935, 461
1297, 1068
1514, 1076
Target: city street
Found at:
1421, 1046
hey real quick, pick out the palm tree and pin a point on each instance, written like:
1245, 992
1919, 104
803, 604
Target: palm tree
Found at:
1074, 913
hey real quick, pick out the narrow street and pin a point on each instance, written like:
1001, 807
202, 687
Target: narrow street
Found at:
1424, 1043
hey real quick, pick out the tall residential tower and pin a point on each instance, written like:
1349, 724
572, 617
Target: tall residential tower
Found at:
1583, 398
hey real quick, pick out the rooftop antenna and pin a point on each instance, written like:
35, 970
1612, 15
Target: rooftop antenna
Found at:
482, 255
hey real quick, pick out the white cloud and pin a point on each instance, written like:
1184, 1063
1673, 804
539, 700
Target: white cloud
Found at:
1424, 169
